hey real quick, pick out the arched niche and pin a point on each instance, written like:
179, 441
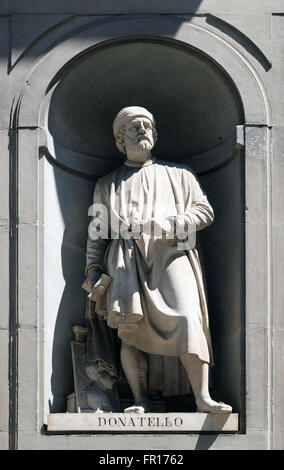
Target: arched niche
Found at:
197, 108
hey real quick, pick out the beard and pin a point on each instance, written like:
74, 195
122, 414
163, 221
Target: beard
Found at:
139, 143
144, 145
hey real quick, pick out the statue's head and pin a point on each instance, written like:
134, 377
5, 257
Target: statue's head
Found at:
134, 129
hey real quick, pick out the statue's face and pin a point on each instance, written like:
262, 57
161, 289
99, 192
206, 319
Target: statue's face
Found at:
139, 135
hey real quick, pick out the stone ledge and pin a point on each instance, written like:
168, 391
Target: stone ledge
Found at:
148, 422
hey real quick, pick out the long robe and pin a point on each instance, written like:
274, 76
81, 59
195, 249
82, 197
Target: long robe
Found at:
156, 299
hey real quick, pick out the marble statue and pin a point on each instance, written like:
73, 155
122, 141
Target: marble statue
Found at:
141, 239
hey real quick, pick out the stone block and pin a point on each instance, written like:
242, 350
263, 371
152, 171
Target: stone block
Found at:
28, 155
28, 382
278, 275
4, 177
256, 379
256, 261
277, 390
28, 275
4, 383
4, 276
256, 223
4, 440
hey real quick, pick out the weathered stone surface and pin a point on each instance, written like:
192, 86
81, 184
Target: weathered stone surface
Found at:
27, 176
4, 277
28, 275
4, 178
4, 383
4, 240
277, 390
170, 422
256, 353
4, 440
257, 333
277, 220
255, 219
215, 441
28, 383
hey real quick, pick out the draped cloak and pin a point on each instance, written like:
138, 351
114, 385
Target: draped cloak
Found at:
156, 299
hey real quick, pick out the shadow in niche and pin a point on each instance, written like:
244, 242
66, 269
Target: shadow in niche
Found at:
75, 197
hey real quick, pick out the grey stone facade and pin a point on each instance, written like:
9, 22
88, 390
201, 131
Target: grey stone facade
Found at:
62, 60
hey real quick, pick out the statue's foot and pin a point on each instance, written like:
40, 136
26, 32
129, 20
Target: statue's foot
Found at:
207, 405
138, 408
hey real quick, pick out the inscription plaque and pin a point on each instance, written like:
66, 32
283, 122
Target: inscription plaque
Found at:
147, 422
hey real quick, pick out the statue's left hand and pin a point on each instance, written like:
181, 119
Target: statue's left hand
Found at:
100, 288
91, 280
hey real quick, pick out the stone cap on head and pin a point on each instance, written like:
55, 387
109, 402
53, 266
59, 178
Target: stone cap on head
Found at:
130, 112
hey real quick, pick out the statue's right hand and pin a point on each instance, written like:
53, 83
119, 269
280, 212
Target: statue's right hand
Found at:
91, 280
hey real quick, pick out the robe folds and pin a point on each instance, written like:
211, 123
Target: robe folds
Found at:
156, 299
